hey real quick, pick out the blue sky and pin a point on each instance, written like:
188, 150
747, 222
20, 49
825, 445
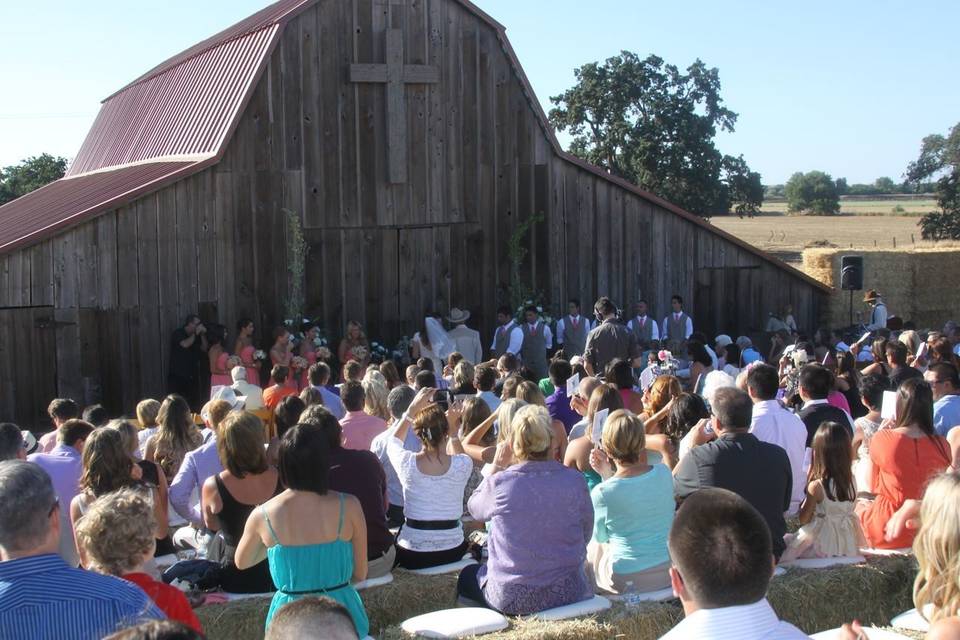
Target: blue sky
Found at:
847, 87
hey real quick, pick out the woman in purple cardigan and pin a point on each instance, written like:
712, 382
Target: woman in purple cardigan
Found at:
541, 519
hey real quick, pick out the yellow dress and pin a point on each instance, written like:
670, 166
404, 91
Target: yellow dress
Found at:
834, 531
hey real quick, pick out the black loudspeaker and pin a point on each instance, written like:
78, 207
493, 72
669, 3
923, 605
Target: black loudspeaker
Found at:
851, 273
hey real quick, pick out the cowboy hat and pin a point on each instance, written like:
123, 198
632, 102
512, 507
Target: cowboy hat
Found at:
871, 295
458, 316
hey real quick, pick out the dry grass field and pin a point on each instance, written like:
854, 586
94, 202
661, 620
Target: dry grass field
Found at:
879, 206
787, 236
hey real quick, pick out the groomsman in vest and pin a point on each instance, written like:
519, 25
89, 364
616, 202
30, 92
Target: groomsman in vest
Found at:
508, 337
644, 327
537, 340
677, 325
572, 330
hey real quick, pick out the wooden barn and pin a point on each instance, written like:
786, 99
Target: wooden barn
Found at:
407, 139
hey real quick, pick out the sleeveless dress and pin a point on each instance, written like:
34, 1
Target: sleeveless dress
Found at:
321, 569
233, 517
834, 531
220, 379
252, 366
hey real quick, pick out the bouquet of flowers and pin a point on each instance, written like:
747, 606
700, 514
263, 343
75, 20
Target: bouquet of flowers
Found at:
379, 352
667, 364
233, 361
360, 352
260, 354
323, 353
299, 363
401, 352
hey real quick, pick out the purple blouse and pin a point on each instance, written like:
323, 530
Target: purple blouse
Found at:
558, 405
540, 520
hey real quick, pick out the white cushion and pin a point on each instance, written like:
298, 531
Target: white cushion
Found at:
823, 563
905, 551
373, 582
455, 623
445, 568
911, 620
873, 633
246, 596
586, 607
646, 596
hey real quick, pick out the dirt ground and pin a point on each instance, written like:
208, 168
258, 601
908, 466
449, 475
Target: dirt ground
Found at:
787, 236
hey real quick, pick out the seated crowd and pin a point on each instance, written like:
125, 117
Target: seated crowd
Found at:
619, 473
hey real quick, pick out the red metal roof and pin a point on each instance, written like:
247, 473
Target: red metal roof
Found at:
66, 202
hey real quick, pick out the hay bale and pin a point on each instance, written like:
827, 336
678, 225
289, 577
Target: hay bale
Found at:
818, 264
812, 600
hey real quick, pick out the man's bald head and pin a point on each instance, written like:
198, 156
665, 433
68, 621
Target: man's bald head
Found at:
312, 619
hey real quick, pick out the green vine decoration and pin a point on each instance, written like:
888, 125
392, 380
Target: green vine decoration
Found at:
296, 266
521, 293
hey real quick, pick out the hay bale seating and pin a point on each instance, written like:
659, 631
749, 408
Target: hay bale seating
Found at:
873, 593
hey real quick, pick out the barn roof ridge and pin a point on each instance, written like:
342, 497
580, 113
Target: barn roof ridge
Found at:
256, 54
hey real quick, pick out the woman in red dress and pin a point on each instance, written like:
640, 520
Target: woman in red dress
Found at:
244, 348
905, 456
219, 358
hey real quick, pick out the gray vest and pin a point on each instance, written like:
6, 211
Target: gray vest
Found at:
643, 334
574, 338
534, 351
501, 340
677, 329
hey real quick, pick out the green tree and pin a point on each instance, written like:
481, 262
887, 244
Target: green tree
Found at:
814, 192
29, 175
940, 158
654, 125
842, 187
885, 185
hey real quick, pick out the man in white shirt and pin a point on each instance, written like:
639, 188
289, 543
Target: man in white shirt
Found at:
572, 330
251, 393
878, 314
537, 340
485, 380
772, 423
508, 338
643, 326
677, 325
722, 559
465, 340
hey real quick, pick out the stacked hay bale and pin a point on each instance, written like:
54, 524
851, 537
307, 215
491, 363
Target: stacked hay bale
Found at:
919, 284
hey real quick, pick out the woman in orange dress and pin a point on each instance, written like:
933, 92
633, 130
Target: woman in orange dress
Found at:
245, 349
904, 456
281, 353
219, 358
354, 338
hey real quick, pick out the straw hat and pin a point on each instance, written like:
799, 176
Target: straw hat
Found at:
871, 295
458, 316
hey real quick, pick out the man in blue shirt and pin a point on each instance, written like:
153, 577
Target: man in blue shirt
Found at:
40, 595
945, 382
318, 376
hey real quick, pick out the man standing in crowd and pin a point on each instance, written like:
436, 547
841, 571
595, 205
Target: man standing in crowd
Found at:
878, 310
816, 382
677, 325
41, 596
757, 471
465, 340
609, 340
572, 330
772, 423
722, 565
644, 328
64, 465
60, 410
945, 383
537, 340
187, 347
508, 338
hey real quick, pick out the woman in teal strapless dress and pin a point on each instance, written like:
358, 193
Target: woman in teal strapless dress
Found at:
301, 566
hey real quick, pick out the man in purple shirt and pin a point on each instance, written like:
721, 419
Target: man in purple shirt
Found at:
64, 466
184, 493
558, 403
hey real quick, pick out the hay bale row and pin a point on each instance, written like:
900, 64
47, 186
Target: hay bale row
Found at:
813, 600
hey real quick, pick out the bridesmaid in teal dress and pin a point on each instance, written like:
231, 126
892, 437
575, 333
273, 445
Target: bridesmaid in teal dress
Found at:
295, 531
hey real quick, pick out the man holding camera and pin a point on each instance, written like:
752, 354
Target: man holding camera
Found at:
187, 347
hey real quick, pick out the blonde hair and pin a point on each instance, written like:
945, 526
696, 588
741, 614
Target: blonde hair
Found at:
128, 434
910, 339
373, 374
463, 373
505, 414
623, 436
375, 398
937, 548
530, 393
532, 433
147, 411
117, 532
240, 444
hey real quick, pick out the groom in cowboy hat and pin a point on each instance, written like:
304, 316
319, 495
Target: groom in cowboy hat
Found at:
878, 316
466, 340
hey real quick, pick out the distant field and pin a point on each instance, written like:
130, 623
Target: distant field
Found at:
787, 236
872, 207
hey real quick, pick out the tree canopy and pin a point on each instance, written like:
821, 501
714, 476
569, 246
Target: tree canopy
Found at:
814, 192
29, 175
654, 125
940, 158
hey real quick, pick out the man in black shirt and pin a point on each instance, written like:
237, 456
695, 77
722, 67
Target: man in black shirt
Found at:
816, 383
900, 371
759, 472
609, 340
187, 347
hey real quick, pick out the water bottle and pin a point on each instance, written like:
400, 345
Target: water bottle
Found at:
631, 598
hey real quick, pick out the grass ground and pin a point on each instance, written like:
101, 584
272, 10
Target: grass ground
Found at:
786, 236
870, 207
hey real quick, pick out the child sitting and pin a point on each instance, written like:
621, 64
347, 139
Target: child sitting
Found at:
830, 526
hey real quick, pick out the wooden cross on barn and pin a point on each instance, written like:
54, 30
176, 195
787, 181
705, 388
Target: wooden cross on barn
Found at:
395, 75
